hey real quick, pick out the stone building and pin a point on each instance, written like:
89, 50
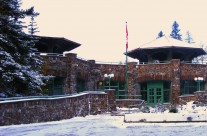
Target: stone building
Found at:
164, 72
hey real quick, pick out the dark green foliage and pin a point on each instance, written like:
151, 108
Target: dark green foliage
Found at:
19, 66
33, 26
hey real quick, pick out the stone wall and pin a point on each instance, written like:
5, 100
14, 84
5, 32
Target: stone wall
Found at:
129, 103
201, 96
117, 70
148, 72
190, 71
175, 81
111, 101
51, 109
72, 68
186, 98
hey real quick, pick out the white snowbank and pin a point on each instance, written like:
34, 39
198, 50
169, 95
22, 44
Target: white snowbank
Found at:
189, 112
104, 125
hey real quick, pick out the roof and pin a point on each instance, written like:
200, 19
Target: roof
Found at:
164, 43
55, 44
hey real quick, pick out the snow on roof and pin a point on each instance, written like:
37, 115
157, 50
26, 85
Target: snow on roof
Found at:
165, 42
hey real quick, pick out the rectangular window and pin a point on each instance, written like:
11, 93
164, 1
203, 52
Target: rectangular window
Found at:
190, 86
144, 91
167, 92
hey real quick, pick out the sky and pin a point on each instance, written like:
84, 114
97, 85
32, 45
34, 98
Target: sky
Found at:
100, 25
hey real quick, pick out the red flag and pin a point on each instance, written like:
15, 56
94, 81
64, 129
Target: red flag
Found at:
126, 36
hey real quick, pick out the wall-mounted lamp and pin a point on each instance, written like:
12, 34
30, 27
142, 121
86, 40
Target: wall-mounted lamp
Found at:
109, 76
198, 80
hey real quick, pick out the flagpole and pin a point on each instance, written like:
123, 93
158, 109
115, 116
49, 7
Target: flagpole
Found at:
126, 77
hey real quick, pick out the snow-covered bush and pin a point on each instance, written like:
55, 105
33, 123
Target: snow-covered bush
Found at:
142, 120
189, 118
145, 109
173, 110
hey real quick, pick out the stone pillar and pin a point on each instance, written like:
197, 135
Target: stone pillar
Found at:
132, 80
175, 85
111, 100
91, 83
71, 72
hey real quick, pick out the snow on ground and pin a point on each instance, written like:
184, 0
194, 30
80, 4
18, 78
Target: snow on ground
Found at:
104, 125
188, 112
107, 125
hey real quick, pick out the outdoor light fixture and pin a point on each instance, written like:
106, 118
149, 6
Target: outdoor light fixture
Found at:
198, 80
109, 76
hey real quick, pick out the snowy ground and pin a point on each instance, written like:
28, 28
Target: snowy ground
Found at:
107, 125
104, 125
189, 112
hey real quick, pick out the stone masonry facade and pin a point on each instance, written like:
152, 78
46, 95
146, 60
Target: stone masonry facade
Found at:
71, 67
51, 109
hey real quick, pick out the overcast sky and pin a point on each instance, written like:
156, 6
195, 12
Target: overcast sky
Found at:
99, 25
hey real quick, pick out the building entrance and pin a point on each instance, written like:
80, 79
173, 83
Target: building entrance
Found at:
155, 92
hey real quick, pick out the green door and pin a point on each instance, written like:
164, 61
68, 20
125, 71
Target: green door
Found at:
155, 92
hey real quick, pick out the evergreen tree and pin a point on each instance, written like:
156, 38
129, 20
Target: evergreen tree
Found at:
203, 58
188, 39
175, 31
19, 66
160, 34
33, 26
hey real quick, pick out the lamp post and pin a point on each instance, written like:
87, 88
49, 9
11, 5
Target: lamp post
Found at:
198, 80
109, 76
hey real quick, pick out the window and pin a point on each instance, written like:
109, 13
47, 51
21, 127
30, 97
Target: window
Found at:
190, 86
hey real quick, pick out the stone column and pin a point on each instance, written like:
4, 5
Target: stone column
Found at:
175, 85
111, 100
91, 83
132, 79
71, 72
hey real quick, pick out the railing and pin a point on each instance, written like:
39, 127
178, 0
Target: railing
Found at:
193, 62
166, 62
154, 62
110, 63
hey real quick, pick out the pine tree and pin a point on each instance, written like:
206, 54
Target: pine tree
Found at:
33, 26
188, 39
160, 34
19, 66
203, 58
175, 31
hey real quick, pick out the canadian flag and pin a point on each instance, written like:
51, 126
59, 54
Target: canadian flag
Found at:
126, 36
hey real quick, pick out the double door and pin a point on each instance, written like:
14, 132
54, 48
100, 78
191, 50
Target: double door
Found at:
155, 92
